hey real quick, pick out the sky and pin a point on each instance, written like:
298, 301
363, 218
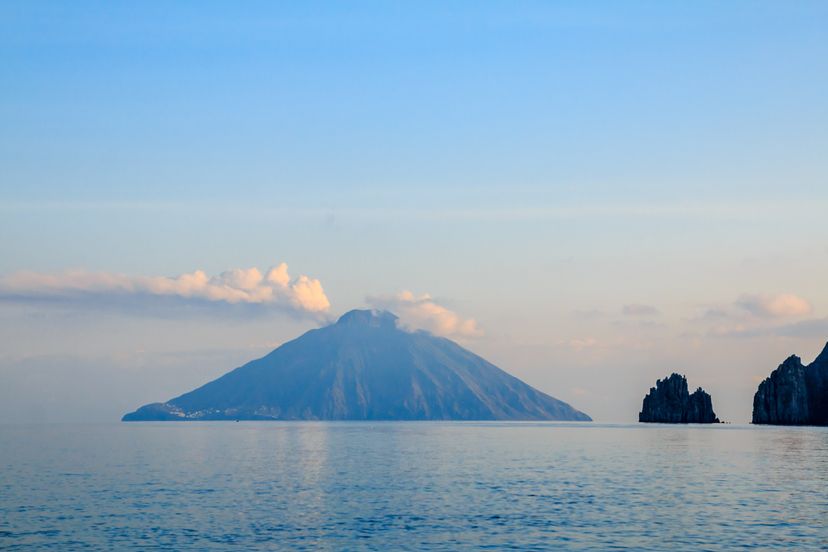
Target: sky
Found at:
592, 195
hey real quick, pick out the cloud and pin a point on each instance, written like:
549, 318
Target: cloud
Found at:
583, 343
753, 315
639, 310
424, 313
774, 306
588, 314
713, 314
812, 328
759, 315
237, 286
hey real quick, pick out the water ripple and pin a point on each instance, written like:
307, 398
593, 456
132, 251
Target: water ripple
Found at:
412, 486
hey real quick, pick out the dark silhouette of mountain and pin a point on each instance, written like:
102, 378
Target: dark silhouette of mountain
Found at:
794, 394
364, 368
669, 402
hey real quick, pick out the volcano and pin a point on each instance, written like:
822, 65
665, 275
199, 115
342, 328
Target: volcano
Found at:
364, 367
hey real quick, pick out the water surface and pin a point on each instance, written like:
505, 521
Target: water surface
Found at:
415, 485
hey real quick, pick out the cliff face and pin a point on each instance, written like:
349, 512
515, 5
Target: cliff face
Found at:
794, 394
816, 381
700, 408
782, 398
669, 402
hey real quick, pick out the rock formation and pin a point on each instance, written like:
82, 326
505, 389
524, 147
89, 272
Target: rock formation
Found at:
794, 394
364, 367
669, 402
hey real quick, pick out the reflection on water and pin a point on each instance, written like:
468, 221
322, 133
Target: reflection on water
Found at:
433, 486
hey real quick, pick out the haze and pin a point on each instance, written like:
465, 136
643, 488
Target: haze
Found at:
556, 187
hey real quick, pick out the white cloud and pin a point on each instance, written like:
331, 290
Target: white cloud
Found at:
754, 315
422, 312
583, 343
774, 306
588, 314
810, 328
639, 310
236, 286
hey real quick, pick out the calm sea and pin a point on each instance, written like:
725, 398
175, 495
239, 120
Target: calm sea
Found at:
418, 486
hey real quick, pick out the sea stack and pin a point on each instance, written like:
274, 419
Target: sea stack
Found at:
794, 394
669, 402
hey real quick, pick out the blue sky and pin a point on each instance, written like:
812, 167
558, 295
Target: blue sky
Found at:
533, 166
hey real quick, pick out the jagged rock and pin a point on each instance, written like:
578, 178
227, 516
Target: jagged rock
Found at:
669, 402
794, 394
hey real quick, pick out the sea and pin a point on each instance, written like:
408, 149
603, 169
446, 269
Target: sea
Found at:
412, 486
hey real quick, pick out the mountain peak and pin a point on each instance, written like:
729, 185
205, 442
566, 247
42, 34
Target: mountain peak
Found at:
823, 356
792, 360
368, 318
363, 368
